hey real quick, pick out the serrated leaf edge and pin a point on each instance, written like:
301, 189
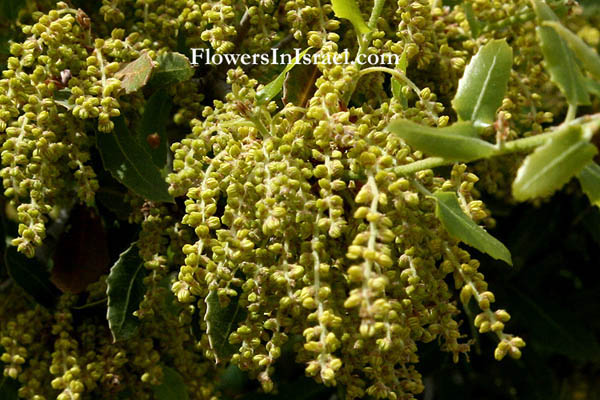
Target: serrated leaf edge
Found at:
129, 290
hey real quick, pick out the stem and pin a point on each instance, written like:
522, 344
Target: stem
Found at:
375, 13
401, 76
592, 123
524, 144
92, 304
420, 188
363, 43
571, 113
514, 146
396, 74
427, 163
255, 119
468, 282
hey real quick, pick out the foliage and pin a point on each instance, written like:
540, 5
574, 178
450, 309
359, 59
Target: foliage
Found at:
172, 232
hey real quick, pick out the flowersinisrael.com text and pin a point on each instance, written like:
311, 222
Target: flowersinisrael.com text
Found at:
207, 57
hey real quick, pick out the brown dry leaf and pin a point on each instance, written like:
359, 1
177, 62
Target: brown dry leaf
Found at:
82, 252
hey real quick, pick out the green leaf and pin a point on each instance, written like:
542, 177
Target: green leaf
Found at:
131, 164
135, 74
397, 85
299, 84
220, 322
593, 87
482, 87
61, 97
152, 132
348, 9
560, 60
461, 226
553, 164
588, 57
589, 178
172, 387
9, 388
273, 88
4, 49
456, 142
9, 9
170, 304
32, 276
125, 291
172, 68
474, 23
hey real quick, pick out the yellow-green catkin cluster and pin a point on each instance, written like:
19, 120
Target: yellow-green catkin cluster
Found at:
69, 353
293, 212
318, 237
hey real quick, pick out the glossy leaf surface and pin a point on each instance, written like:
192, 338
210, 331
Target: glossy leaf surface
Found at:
455, 142
131, 164
461, 226
589, 177
474, 23
152, 132
588, 57
559, 58
348, 9
171, 68
553, 164
482, 87
220, 321
125, 291
273, 88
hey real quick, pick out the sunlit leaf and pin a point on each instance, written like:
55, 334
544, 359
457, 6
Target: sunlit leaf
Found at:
135, 74
553, 164
348, 9
588, 57
592, 86
273, 88
126, 159
125, 291
456, 142
461, 226
589, 177
482, 87
474, 24
397, 85
560, 60
220, 322
171, 68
